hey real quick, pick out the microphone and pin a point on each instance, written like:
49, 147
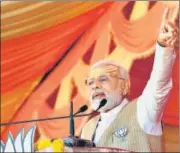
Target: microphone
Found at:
73, 140
76, 141
102, 103
81, 109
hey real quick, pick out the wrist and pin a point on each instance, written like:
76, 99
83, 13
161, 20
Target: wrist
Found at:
161, 44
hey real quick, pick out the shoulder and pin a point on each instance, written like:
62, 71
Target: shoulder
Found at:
132, 105
129, 110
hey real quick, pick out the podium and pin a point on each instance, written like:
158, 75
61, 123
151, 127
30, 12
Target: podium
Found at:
86, 149
75, 144
94, 149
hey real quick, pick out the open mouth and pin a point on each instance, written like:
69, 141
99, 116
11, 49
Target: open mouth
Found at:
98, 95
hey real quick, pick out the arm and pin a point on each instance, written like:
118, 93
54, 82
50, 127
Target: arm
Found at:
154, 98
151, 103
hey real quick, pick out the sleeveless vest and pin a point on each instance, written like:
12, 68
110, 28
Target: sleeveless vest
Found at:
135, 140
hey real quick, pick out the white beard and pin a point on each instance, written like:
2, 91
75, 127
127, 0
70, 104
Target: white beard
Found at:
113, 100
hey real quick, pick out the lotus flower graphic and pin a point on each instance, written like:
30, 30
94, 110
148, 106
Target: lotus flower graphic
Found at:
21, 143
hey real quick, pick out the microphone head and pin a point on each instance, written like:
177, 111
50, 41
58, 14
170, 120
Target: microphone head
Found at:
102, 103
83, 108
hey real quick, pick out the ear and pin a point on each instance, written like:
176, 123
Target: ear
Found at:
124, 87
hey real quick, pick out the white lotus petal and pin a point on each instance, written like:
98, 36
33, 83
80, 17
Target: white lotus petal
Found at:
9, 146
29, 140
121, 132
18, 142
2, 146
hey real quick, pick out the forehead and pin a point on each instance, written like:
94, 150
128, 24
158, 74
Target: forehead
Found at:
102, 70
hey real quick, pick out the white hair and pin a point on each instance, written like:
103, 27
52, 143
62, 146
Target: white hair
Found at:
123, 72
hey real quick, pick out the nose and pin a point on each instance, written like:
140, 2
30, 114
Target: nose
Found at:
96, 85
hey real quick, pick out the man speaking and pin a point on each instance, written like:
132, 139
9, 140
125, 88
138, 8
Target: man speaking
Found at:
135, 125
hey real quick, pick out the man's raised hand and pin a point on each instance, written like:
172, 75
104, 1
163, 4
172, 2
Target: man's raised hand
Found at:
168, 34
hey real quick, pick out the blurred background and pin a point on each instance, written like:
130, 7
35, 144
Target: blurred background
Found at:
47, 48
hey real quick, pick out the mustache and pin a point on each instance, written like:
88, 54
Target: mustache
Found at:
97, 91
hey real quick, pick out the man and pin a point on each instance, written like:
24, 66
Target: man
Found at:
136, 125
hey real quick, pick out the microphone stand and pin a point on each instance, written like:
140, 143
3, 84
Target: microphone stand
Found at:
72, 140
71, 125
75, 141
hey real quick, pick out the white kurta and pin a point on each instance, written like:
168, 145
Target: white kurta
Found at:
151, 103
